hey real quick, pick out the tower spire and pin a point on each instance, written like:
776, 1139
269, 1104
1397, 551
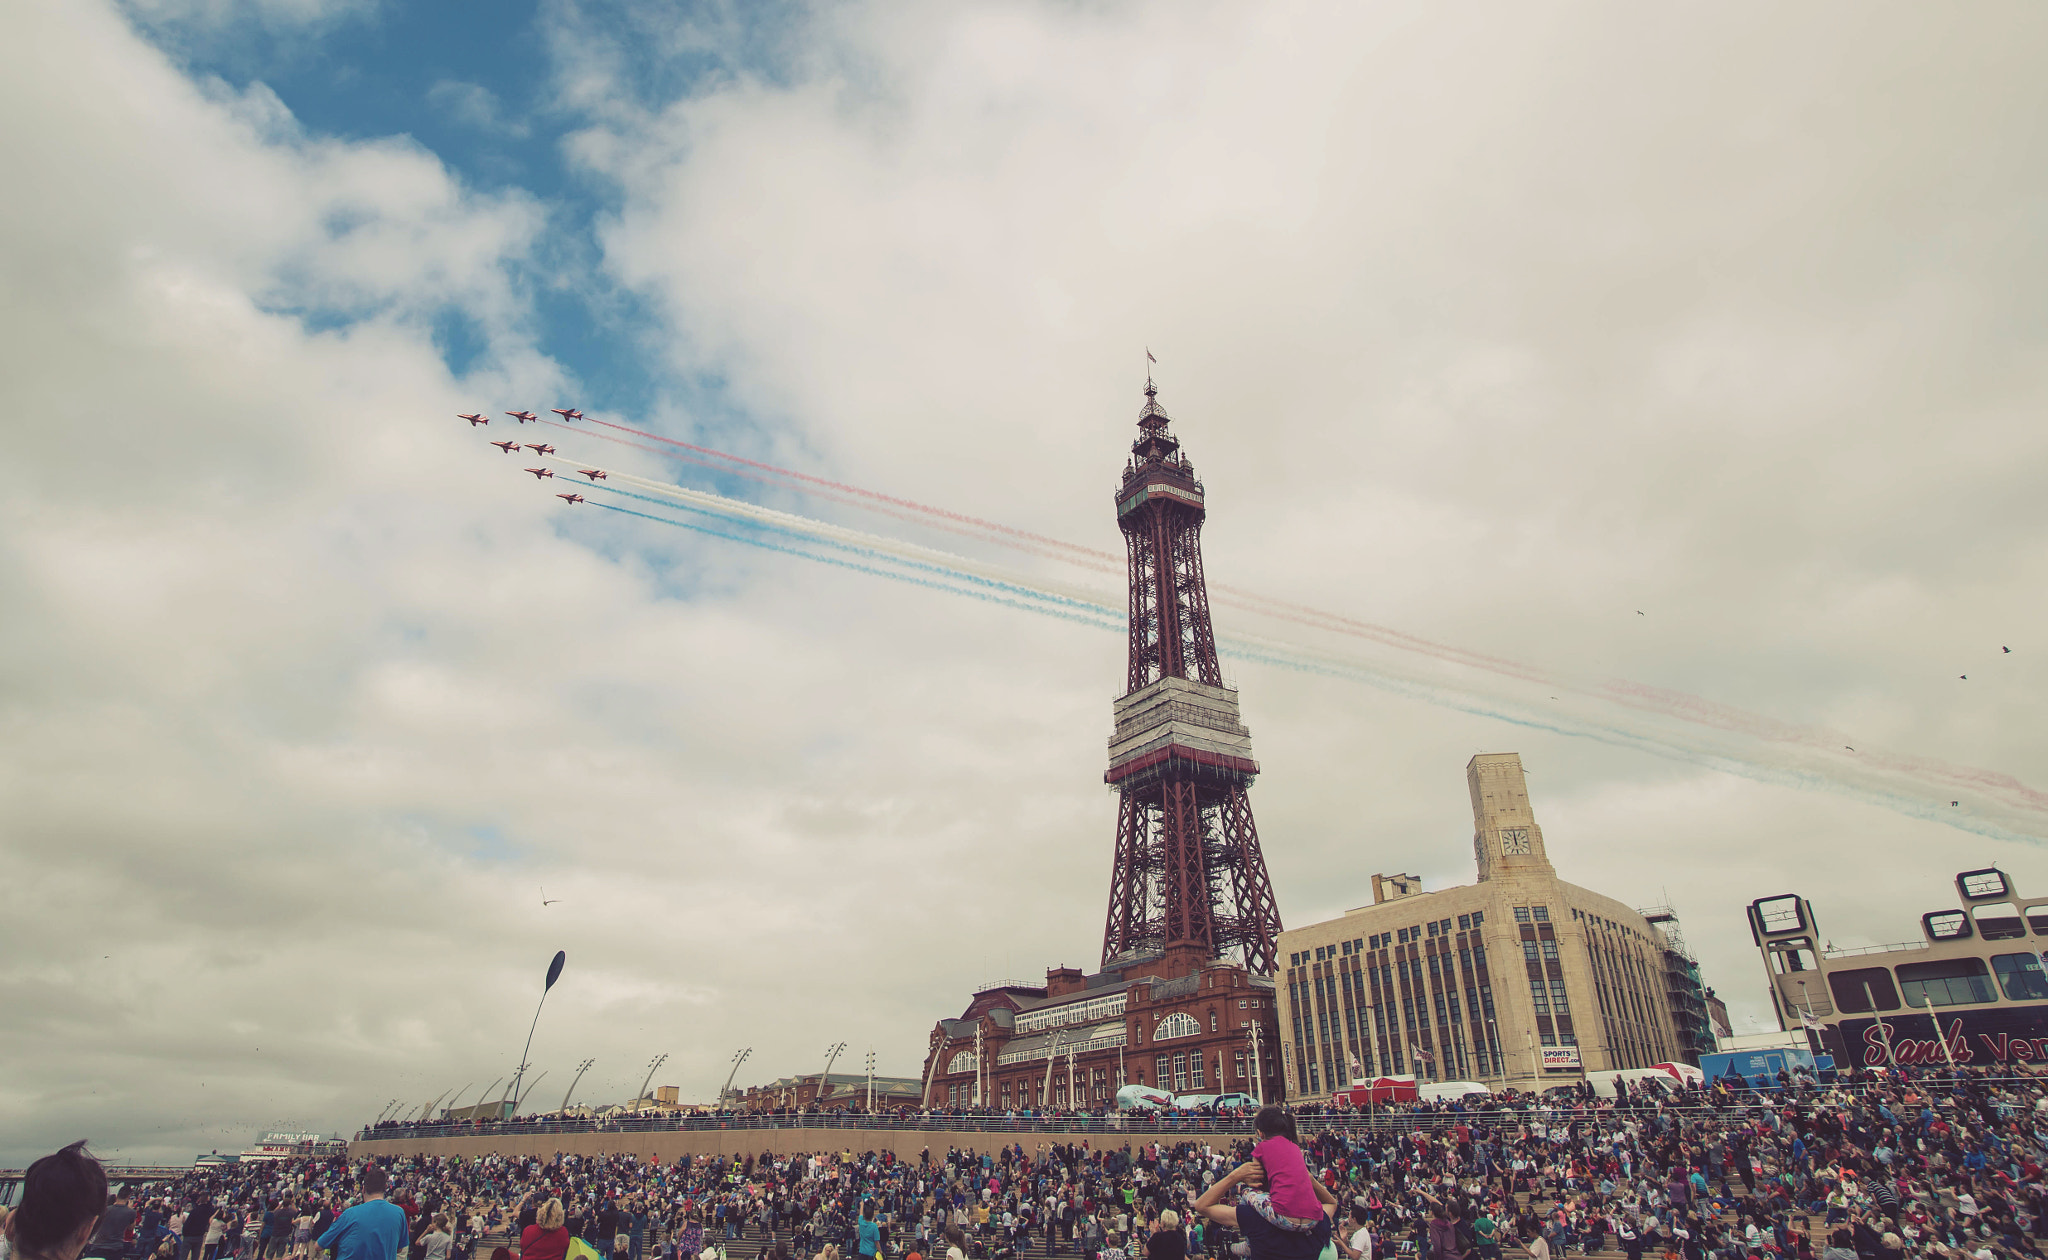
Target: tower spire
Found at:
1189, 878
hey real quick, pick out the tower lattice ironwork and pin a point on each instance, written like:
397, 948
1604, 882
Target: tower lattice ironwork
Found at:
1189, 878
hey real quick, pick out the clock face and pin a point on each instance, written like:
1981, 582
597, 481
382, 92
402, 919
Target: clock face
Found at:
1514, 840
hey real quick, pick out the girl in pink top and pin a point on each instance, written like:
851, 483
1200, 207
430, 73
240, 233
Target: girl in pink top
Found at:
1289, 1199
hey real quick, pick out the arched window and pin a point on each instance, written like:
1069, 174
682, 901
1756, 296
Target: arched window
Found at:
1178, 1024
962, 1062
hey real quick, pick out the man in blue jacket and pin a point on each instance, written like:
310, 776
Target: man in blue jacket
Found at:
371, 1230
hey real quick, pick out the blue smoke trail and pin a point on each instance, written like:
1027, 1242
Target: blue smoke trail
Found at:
1088, 608
1102, 617
929, 584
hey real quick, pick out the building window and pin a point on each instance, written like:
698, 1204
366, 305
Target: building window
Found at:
1464, 923
1165, 1065
962, 1062
1521, 914
1540, 913
1180, 1071
1478, 917
1195, 1072
2021, 977
1178, 1024
1239, 1065
1212, 1021
1954, 982
1240, 1004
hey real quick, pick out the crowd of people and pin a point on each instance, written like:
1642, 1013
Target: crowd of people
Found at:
1888, 1166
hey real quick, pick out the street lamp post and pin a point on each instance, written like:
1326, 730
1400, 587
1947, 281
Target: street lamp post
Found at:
1258, 1070
659, 1059
554, 974
832, 1053
581, 1068
738, 1057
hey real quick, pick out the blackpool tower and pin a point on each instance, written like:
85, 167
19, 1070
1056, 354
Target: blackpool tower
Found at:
1189, 879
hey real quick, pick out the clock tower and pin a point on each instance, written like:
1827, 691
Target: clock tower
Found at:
1505, 837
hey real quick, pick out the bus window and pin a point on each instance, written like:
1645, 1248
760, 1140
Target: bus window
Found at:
1951, 982
2000, 922
2037, 919
1855, 990
2021, 976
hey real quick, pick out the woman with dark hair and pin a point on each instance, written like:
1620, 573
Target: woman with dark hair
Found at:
62, 1196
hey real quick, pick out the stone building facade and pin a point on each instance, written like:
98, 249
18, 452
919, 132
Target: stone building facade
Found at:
1176, 1025
1518, 980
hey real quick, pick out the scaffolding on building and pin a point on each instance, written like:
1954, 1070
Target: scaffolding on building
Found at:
1685, 992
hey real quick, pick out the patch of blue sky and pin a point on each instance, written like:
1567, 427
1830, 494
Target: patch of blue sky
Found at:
459, 339
477, 85
486, 843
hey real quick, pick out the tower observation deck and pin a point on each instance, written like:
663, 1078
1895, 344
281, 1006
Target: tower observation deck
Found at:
1189, 879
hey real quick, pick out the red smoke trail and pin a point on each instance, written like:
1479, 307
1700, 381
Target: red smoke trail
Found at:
1631, 695
1109, 564
876, 496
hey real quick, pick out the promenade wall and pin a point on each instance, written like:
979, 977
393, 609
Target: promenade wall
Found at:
666, 1145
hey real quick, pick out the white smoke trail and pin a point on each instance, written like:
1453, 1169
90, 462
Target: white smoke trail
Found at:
1468, 689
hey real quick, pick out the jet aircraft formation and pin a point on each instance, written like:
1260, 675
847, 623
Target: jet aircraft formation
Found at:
538, 448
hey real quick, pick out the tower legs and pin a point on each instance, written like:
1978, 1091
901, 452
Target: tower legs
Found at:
1180, 850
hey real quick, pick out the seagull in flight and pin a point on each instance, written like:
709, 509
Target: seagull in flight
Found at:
546, 900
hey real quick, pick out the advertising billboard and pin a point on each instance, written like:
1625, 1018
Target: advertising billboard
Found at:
1759, 1068
1993, 1038
1560, 1058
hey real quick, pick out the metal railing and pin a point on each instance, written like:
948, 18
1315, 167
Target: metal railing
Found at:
1125, 1125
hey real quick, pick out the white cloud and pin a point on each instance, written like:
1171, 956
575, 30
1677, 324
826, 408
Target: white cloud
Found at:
476, 106
1497, 330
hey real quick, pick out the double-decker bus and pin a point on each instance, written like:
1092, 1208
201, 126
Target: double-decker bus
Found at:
1972, 992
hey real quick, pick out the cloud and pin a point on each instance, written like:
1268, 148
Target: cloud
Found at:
216, 22
1496, 331
476, 106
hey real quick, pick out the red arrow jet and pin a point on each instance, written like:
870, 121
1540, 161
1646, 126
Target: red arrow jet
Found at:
507, 447
540, 448
567, 413
473, 420
538, 473
573, 498
522, 416
595, 474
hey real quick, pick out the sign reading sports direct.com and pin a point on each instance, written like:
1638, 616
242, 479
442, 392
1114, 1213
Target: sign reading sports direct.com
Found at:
1556, 1057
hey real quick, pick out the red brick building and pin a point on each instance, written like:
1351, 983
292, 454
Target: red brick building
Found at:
1167, 1022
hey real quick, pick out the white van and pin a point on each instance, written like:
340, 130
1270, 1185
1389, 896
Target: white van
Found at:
1434, 1091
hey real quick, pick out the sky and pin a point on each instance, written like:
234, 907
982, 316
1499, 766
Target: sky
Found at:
1700, 347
